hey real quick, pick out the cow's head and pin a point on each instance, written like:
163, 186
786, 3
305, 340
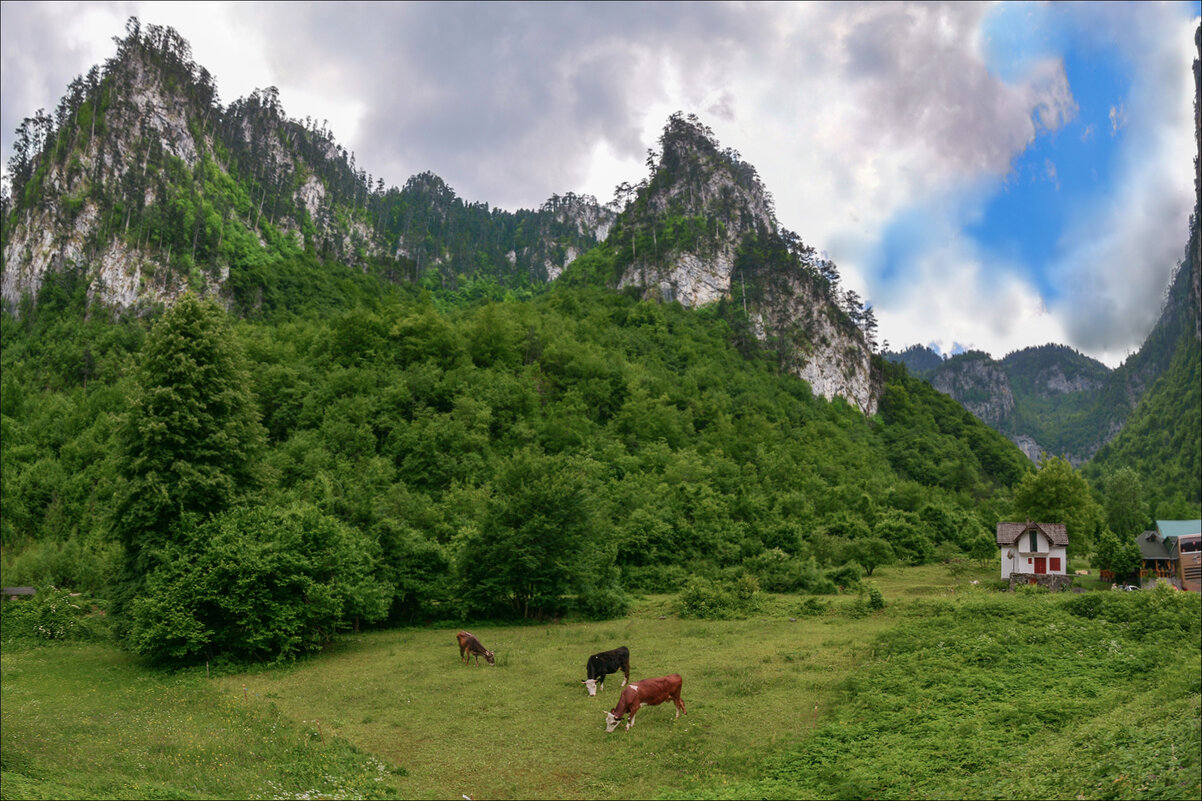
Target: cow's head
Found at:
611, 722
590, 685
490, 658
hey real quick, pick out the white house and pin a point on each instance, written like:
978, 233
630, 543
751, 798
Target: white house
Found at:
1034, 549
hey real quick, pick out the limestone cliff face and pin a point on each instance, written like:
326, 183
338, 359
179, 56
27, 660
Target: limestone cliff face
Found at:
981, 385
134, 160
699, 187
67, 229
702, 230
567, 226
829, 353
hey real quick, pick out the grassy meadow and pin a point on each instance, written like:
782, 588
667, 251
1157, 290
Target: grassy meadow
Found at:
953, 690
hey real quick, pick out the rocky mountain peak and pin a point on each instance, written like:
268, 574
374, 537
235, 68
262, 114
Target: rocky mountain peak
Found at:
702, 229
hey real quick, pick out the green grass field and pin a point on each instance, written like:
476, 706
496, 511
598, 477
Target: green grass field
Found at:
945, 693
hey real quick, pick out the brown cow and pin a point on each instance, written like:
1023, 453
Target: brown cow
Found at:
469, 646
648, 692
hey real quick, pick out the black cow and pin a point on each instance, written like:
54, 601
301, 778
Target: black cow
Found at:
601, 665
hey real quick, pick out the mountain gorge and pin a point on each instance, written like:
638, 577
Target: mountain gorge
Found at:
1145, 414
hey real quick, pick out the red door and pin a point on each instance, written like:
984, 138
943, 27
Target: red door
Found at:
1041, 565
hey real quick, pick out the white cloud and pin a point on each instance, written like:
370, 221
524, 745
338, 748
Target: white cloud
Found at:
1120, 251
955, 301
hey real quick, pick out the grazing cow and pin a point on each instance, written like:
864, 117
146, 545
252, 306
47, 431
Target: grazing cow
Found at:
469, 646
648, 692
601, 665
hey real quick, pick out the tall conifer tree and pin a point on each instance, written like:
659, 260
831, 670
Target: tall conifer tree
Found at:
191, 439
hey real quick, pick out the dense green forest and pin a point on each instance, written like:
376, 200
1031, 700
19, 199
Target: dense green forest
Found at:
502, 458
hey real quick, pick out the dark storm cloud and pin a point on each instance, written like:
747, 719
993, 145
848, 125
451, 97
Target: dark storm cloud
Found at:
924, 81
472, 90
32, 46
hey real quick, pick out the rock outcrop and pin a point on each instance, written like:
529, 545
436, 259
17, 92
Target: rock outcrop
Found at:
684, 234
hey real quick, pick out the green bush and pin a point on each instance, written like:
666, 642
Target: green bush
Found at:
876, 600
812, 607
258, 584
779, 572
603, 602
654, 578
847, 575
51, 614
1163, 611
87, 567
702, 598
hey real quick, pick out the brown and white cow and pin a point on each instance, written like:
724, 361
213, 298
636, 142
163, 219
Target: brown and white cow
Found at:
648, 692
469, 646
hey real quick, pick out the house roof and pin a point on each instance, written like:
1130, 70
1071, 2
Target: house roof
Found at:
1008, 533
1171, 529
1151, 546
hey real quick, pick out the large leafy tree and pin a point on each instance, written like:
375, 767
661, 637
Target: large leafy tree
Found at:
190, 443
1057, 493
1126, 510
541, 540
872, 552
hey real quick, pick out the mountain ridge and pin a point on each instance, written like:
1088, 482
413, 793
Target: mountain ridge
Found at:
173, 192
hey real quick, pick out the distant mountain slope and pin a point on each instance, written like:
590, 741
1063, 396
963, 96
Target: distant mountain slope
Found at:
1146, 414
1048, 399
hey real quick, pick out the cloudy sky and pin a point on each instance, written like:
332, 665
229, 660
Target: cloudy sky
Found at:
987, 176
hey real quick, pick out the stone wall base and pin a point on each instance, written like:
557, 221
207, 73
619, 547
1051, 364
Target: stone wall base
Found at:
1053, 581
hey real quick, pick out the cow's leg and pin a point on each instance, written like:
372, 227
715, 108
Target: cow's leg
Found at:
625, 674
634, 710
676, 699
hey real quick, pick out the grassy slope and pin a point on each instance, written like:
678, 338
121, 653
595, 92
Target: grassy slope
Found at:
87, 721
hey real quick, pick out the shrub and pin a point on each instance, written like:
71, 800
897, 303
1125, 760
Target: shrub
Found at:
870, 600
812, 607
89, 567
1163, 611
720, 600
779, 572
52, 614
875, 599
655, 578
602, 602
257, 584
847, 575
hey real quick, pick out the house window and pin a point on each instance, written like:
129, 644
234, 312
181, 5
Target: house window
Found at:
1034, 542
1054, 563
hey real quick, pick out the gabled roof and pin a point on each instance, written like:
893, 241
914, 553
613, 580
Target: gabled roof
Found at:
1151, 546
1171, 529
1008, 533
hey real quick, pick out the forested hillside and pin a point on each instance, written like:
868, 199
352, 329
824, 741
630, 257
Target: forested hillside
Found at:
500, 458
232, 360
141, 178
1047, 399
